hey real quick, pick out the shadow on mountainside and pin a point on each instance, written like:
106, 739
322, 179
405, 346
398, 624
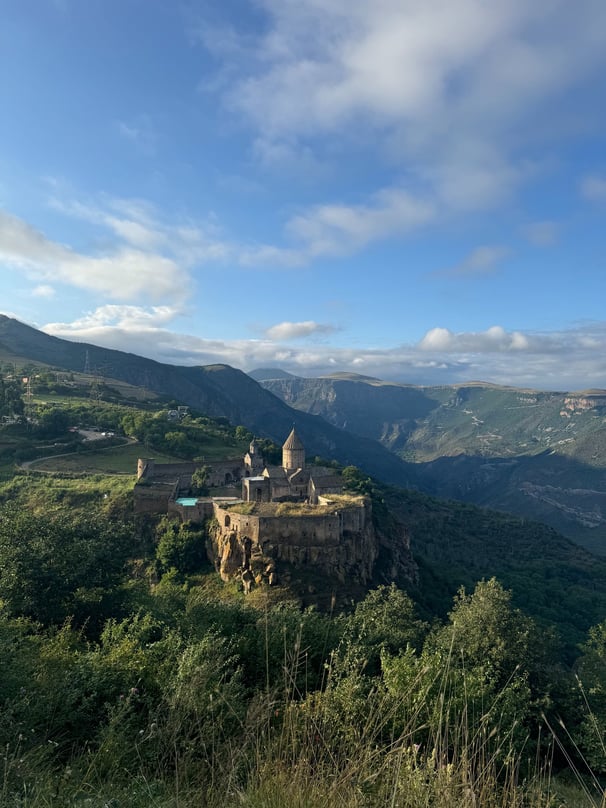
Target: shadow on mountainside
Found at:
564, 493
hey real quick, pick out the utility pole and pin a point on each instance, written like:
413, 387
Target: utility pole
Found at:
28, 398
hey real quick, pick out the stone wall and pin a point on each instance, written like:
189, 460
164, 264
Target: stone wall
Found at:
149, 470
255, 548
200, 512
154, 498
223, 472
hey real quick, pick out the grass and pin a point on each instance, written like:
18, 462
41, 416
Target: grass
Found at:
337, 501
295, 750
82, 385
51, 492
113, 460
7, 470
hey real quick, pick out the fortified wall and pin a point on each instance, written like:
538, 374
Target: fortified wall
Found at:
160, 483
338, 540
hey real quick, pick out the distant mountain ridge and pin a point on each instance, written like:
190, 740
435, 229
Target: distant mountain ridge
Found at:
217, 390
264, 374
539, 454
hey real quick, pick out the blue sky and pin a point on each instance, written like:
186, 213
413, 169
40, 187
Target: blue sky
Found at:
409, 189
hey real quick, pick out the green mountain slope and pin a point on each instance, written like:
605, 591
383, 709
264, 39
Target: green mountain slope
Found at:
217, 390
456, 544
538, 454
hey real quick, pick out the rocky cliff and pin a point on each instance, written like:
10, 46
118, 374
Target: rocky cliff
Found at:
310, 549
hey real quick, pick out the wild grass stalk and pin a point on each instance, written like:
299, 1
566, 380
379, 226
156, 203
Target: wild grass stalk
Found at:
419, 739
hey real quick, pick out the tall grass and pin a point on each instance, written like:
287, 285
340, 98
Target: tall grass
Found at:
210, 743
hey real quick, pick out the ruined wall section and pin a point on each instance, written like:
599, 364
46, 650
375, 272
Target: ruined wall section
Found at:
154, 498
224, 472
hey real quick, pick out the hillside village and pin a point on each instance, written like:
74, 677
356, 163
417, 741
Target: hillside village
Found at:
290, 516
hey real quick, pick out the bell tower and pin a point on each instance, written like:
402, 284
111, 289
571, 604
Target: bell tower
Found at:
293, 453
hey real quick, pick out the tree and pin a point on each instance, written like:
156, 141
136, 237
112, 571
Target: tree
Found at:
181, 546
199, 481
385, 621
488, 665
356, 481
52, 568
243, 434
591, 672
52, 422
11, 402
176, 442
486, 632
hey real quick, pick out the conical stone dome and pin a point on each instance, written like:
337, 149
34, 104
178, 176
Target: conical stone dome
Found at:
293, 452
293, 441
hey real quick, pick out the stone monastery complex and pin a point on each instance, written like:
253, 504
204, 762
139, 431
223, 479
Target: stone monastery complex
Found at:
287, 517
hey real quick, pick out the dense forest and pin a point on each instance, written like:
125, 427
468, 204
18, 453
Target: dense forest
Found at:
130, 675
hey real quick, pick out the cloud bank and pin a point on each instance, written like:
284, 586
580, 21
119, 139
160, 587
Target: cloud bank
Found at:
566, 360
125, 272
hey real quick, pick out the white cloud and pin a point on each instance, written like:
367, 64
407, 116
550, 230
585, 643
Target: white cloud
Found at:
136, 223
339, 229
288, 331
566, 360
131, 220
124, 273
139, 131
594, 188
266, 255
482, 260
44, 290
494, 338
445, 89
288, 158
115, 316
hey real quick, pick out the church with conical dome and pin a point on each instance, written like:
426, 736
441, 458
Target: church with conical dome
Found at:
293, 481
256, 538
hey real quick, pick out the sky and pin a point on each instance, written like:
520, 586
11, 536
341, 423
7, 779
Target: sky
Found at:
408, 189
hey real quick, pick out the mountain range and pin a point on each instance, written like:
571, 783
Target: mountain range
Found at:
216, 390
537, 454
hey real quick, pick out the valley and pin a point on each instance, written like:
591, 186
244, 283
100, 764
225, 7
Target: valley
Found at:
538, 454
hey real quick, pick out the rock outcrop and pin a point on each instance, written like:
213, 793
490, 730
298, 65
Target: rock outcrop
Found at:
271, 542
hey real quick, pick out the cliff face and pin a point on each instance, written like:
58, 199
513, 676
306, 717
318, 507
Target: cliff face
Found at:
584, 403
339, 546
